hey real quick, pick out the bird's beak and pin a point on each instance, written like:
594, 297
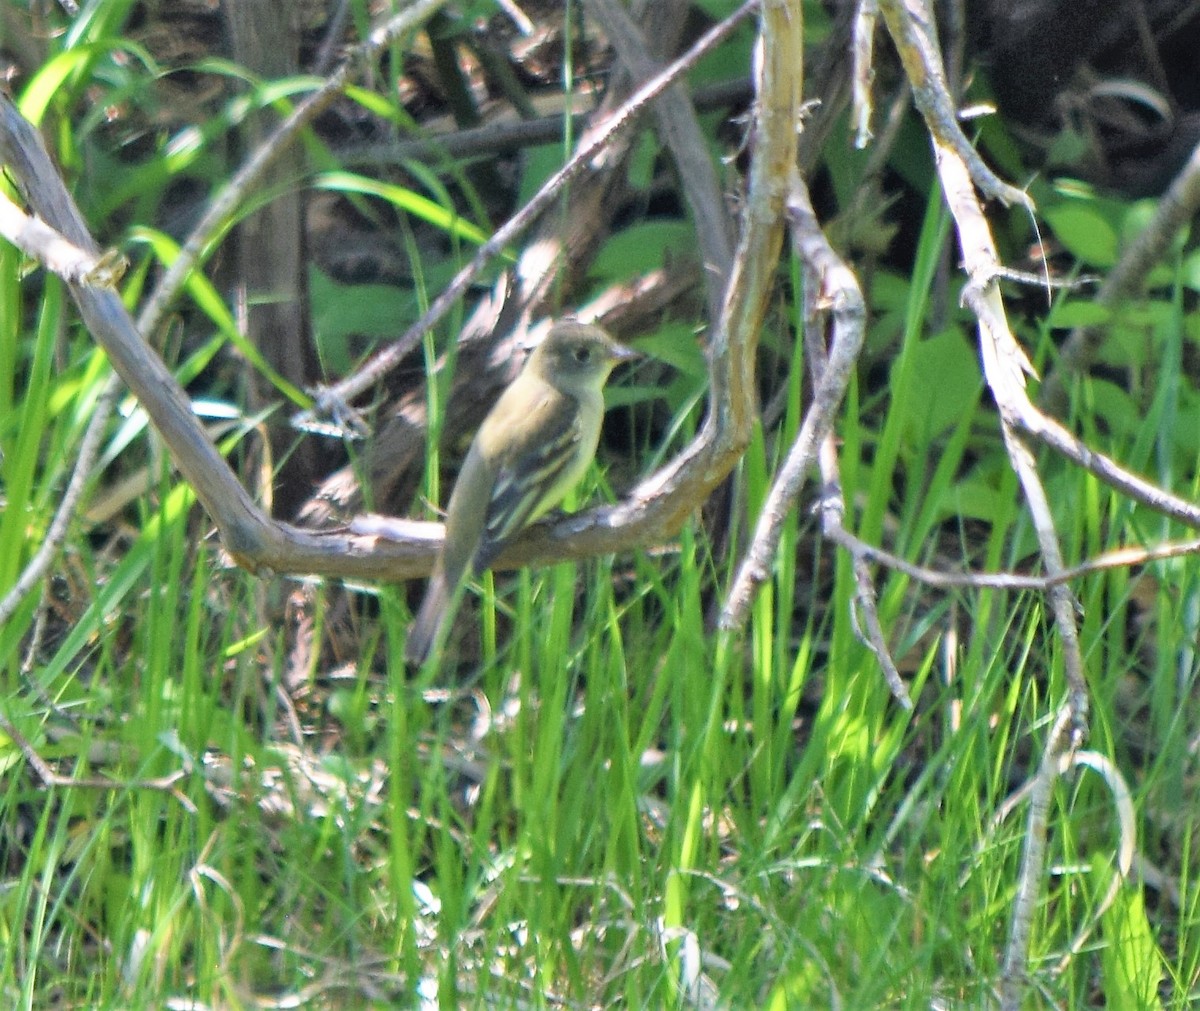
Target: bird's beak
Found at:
620, 353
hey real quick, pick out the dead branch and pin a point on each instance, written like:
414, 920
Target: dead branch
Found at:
1005, 368
1118, 558
655, 510
508, 135
830, 287
836, 293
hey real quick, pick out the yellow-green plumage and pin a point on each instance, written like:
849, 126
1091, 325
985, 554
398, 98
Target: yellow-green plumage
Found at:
530, 451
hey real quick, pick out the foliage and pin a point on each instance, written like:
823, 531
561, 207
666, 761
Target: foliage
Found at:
619, 806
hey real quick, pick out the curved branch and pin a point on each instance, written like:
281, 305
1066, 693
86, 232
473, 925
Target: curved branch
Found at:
835, 290
656, 509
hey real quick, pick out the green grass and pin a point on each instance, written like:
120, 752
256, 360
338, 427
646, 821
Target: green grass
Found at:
627, 808
620, 806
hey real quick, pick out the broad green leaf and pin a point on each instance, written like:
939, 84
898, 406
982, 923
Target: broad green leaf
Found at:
1086, 233
1072, 313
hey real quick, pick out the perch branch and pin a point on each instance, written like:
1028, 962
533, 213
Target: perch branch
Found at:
657, 507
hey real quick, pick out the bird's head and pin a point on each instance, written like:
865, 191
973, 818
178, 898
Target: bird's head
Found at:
577, 357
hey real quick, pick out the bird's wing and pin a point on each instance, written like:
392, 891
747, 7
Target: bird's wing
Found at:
533, 473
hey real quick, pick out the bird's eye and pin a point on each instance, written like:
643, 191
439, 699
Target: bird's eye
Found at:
583, 355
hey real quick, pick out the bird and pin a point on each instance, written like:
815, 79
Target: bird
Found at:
532, 448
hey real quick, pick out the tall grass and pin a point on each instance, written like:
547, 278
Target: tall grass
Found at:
614, 804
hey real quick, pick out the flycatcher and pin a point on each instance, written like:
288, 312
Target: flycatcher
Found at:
529, 452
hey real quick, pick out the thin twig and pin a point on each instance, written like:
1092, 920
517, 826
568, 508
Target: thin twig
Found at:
388, 358
37, 566
837, 294
49, 778
833, 519
1014, 982
509, 135
1119, 558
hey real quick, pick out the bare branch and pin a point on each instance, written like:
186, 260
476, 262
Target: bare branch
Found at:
391, 356
833, 517
657, 508
506, 135
863, 54
834, 291
1033, 861
1119, 558
1005, 368
830, 287
910, 24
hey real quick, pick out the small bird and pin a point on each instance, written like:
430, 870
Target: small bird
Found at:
532, 448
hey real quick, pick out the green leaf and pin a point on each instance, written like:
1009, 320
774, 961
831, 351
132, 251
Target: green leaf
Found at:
1087, 234
943, 382
1116, 408
1131, 962
1070, 314
51, 77
406, 200
369, 312
209, 301
677, 345
641, 248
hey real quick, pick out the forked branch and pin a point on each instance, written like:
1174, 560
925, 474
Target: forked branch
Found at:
655, 510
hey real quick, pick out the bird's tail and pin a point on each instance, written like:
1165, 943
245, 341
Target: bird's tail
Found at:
426, 630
